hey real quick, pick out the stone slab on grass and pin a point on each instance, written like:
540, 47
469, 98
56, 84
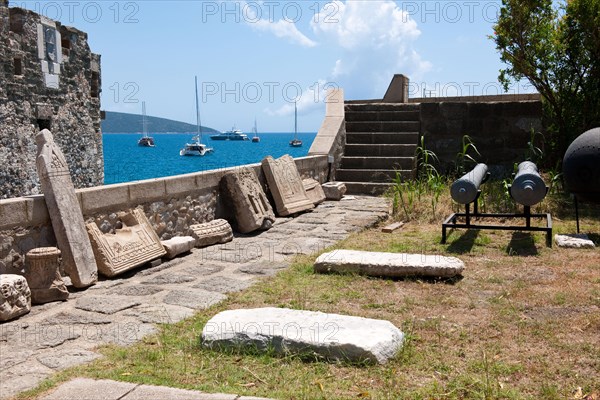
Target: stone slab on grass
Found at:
287, 331
390, 265
575, 241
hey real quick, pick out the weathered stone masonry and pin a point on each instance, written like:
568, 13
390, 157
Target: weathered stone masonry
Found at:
49, 79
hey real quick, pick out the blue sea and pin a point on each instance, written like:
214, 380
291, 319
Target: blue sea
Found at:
125, 161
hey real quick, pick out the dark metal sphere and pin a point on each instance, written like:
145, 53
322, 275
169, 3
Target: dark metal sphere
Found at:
581, 166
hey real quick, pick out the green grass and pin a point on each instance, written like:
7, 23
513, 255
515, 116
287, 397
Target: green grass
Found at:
520, 324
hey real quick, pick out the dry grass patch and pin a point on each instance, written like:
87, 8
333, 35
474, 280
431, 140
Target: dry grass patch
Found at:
522, 323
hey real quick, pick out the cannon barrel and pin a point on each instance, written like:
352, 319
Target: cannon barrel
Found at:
464, 190
528, 187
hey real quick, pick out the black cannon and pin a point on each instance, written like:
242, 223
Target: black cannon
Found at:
464, 190
528, 188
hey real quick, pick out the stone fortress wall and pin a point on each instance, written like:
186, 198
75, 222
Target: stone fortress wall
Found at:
171, 204
49, 79
499, 125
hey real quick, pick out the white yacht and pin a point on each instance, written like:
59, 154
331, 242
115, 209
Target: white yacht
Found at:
196, 148
233, 134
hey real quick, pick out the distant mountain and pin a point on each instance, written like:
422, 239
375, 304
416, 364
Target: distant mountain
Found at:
116, 122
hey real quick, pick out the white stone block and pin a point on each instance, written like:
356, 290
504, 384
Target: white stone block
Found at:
52, 81
59, 56
40, 42
332, 336
178, 245
391, 265
575, 241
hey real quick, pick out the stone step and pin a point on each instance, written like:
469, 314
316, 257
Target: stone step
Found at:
405, 163
385, 126
355, 115
370, 175
370, 188
382, 107
382, 138
380, 150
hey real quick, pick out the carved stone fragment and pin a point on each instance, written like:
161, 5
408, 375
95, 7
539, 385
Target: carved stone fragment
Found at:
285, 185
65, 212
129, 247
43, 276
15, 297
243, 194
213, 232
314, 191
334, 190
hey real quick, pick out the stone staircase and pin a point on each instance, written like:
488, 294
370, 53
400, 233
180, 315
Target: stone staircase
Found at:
381, 138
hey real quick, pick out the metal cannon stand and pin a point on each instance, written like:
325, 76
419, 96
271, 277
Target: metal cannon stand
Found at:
452, 221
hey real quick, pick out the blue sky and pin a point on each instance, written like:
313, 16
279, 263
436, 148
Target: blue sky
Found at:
254, 58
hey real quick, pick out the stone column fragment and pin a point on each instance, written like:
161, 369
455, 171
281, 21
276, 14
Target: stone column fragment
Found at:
213, 232
43, 276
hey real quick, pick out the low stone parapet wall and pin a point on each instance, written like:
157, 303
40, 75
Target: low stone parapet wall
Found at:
171, 204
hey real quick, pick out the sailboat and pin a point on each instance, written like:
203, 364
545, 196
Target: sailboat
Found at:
296, 142
145, 140
255, 138
196, 148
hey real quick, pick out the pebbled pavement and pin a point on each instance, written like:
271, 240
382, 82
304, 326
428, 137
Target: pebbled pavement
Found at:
124, 309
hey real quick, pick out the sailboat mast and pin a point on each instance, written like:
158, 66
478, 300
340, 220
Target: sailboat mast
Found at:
198, 122
144, 122
295, 120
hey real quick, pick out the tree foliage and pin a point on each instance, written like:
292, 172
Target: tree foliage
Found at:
557, 48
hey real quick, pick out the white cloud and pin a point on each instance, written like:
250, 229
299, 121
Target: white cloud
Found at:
284, 29
310, 99
375, 40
